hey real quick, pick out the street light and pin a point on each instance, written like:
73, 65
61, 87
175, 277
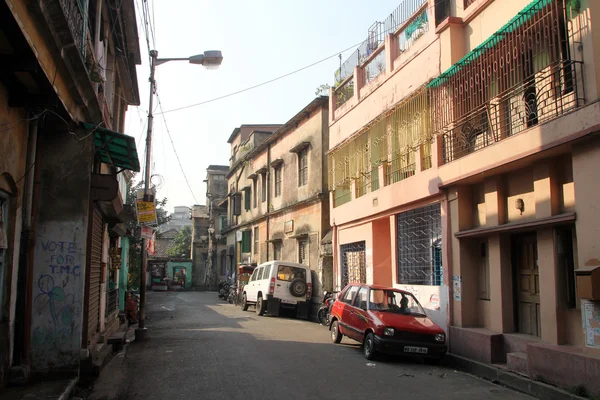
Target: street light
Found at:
210, 60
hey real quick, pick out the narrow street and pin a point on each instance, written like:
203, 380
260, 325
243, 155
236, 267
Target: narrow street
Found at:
203, 347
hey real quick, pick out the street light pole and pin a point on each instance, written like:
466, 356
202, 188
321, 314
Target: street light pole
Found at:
142, 333
210, 59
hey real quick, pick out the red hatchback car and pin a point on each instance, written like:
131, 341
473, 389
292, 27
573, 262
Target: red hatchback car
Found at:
385, 320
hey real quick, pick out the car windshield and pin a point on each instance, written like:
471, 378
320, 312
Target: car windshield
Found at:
390, 300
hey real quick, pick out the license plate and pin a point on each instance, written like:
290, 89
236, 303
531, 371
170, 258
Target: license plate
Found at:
288, 301
413, 349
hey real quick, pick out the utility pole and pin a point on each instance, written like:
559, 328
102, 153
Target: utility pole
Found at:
210, 59
142, 333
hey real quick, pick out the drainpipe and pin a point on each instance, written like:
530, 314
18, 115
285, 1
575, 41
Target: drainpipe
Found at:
268, 177
336, 284
235, 243
22, 346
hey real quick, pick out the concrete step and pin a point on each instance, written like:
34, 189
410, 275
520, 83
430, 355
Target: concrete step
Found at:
517, 362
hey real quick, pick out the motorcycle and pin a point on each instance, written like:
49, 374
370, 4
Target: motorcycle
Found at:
324, 312
223, 289
232, 297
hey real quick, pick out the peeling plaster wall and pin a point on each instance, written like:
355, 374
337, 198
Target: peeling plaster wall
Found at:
58, 286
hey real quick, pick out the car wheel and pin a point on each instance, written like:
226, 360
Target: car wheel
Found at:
244, 302
260, 306
369, 346
336, 335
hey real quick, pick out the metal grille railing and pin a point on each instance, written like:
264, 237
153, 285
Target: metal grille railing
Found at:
546, 95
416, 29
420, 246
526, 52
342, 195
344, 92
401, 168
353, 263
375, 67
376, 36
76, 21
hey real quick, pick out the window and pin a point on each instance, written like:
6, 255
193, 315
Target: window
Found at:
303, 251
266, 272
256, 240
288, 274
277, 250
255, 274
303, 167
349, 295
484, 272
278, 181
246, 241
566, 262
247, 199
263, 178
419, 241
361, 300
222, 222
255, 194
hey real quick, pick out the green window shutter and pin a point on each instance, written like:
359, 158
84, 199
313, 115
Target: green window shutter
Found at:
247, 199
246, 241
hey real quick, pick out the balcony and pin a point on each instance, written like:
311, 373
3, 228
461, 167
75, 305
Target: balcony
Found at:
392, 148
376, 36
388, 45
76, 22
522, 76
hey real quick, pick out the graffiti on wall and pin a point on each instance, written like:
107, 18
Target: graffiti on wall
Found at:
57, 302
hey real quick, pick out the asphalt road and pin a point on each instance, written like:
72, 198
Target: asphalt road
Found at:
203, 348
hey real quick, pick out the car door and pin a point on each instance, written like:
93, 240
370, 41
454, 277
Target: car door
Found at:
251, 291
348, 312
358, 316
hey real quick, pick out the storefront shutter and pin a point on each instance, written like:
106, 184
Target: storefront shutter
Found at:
95, 269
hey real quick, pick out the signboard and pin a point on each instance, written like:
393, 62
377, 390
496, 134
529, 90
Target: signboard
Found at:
145, 212
147, 232
238, 236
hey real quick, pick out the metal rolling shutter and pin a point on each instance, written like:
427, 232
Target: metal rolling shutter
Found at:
95, 268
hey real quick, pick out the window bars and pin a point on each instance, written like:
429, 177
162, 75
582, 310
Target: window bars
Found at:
353, 263
419, 240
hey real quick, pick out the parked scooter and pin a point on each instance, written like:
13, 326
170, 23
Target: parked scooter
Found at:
324, 312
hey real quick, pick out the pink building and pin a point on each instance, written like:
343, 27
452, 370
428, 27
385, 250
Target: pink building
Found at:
461, 167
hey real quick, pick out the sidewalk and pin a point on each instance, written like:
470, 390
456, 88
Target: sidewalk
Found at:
51, 390
511, 380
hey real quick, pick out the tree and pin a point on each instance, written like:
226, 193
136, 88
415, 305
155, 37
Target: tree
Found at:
182, 244
135, 241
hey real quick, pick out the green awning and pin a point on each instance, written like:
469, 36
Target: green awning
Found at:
518, 20
114, 148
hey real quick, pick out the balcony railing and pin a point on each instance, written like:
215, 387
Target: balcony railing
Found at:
521, 76
344, 92
543, 97
76, 21
376, 36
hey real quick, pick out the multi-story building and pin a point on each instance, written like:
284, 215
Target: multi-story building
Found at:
278, 204
67, 79
463, 144
178, 219
209, 257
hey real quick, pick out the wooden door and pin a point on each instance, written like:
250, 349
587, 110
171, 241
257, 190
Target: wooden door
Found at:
528, 285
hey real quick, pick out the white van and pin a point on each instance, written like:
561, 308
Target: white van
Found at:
277, 284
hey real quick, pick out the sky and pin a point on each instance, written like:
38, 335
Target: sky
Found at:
260, 40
